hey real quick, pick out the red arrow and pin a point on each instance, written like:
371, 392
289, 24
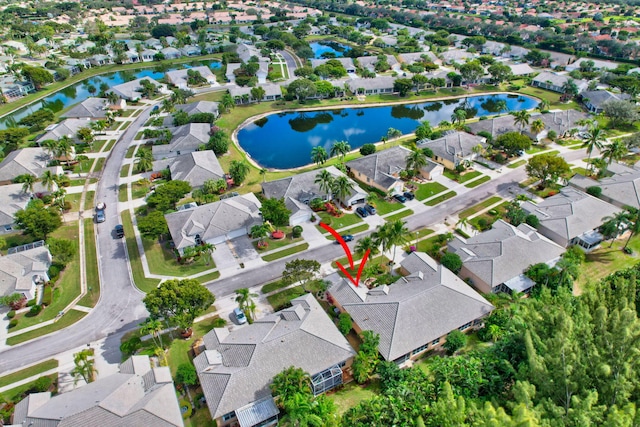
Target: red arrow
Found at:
347, 251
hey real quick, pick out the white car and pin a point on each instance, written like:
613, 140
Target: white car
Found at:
240, 317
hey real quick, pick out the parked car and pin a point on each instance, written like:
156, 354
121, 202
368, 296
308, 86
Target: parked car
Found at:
400, 198
346, 238
240, 317
520, 153
362, 212
119, 231
409, 195
370, 209
100, 216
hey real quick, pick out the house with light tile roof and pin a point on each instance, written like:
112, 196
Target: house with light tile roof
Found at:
622, 189
23, 269
186, 139
195, 168
31, 160
453, 148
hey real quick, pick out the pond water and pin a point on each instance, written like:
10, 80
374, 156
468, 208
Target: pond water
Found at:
337, 49
284, 140
80, 91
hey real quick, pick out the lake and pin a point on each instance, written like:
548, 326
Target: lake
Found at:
78, 92
284, 140
320, 48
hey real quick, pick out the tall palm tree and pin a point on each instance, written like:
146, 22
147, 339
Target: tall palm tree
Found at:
398, 234
144, 160
595, 139
415, 161
543, 105
381, 237
340, 148
342, 187
537, 126
319, 155
367, 244
263, 174
153, 327
83, 366
64, 149
614, 151
633, 221
521, 118
459, 117
28, 181
207, 249
50, 146
48, 179
227, 103
113, 98
167, 105
299, 412
244, 298
325, 181
616, 224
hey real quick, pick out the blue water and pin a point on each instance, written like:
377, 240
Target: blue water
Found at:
319, 49
78, 92
284, 140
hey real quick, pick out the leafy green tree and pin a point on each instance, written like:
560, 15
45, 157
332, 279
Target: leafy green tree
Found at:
455, 341
324, 179
290, 382
302, 89
366, 361
512, 142
500, 72
85, 134
239, 169
178, 302
621, 112
167, 195
471, 71
452, 261
365, 244
595, 140
300, 270
367, 149
424, 131
402, 86
219, 142
37, 220
153, 327
547, 168
258, 93
153, 225
38, 75
186, 374
344, 323
275, 211
614, 151
62, 250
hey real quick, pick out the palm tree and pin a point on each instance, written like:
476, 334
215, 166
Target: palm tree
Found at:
340, 148
227, 102
259, 231
342, 187
84, 366
595, 139
537, 126
144, 160
381, 237
367, 244
207, 249
244, 300
319, 155
371, 198
64, 149
324, 179
48, 179
398, 234
521, 118
28, 181
543, 105
415, 161
614, 151
458, 117
153, 327
50, 146
167, 105
299, 412
113, 98
633, 221
263, 174
615, 224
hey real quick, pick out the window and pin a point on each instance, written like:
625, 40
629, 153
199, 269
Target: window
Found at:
465, 326
229, 416
420, 349
436, 341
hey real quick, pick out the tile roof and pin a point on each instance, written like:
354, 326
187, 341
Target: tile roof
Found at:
67, 127
186, 139
32, 161
195, 168
453, 146
94, 108
19, 270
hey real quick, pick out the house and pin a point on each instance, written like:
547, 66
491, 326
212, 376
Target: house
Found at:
263, 72
180, 78
369, 62
130, 91
598, 64
521, 69
412, 58
214, 222
67, 127
622, 189
236, 368
23, 269
90, 108
190, 50
594, 100
454, 148
495, 260
347, 63
99, 59
153, 43
456, 55
246, 52
382, 169
200, 107
562, 122
415, 313
242, 95
556, 82
195, 168
26, 161
85, 46
138, 395
230, 73
12, 199
571, 217
380, 84
299, 190
147, 55
388, 41
186, 139
171, 53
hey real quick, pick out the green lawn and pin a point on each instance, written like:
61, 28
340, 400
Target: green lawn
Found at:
16, 394
130, 151
478, 182
286, 252
605, 260
208, 277
441, 198
14, 239
536, 149
126, 124
122, 193
281, 299
517, 164
140, 134
99, 164
88, 200
83, 166
425, 191
351, 394
69, 318
126, 113
74, 199
384, 206
143, 283
28, 372
345, 220
428, 244
278, 243
109, 145
461, 178
91, 263
480, 206
139, 189
419, 234
398, 215
162, 261
124, 172
270, 287
489, 218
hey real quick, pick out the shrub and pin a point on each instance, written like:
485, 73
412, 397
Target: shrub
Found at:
451, 261
483, 224
219, 322
552, 135
594, 190
186, 374
455, 341
367, 149
35, 310
500, 159
130, 346
493, 212
54, 272
297, 231
31, 302
42, 384
11, 314
47, 296
532, 220
188, 410
344, 323
13, 323
427, 152
486, 134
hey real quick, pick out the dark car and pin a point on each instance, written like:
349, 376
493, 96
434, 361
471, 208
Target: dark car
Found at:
370, 209
100, 216
119, 231
362, 212
409, 195
346, 238
400, 198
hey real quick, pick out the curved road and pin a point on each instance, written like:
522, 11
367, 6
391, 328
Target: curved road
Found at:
120, 307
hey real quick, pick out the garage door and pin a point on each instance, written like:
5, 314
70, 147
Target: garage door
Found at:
299, 218
236, 233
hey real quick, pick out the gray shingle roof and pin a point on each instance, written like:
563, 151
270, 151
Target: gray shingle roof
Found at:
17, 270
195, 168
120, 399
213, 220
621, 189
129, 90
32, 161
347, 63
569, 214
598, 97
452, 146
270, 89
237, 367
369, 62
380, 82
179, 77
199, 107
12, 199
68, 127
186, 139
94, 108
504, 252
417, 309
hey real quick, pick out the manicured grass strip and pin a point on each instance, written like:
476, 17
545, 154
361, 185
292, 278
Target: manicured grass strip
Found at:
77, 182
398, 215
130, 152
139, 135
425, 191
143, 283
286, 252
337, 223
88, 200
69, 318
28, 372
461, 178
91, 266
15, 394
99, 164
353, 230
270, 287
208, 277
478, 182
122, 193
421, 233
517, 164
124, 172
281, 299
126, 113
83, 166
110, 145
126, 124
74, 199
480, 206
441, 198
536, 149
